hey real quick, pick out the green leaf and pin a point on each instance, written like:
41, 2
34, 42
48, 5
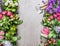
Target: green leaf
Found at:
52, 34
51, 44
58, 23
58, 42
39, 45
20, 21
14, 39
53, 22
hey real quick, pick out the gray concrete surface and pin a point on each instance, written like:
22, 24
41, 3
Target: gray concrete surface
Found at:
31, 27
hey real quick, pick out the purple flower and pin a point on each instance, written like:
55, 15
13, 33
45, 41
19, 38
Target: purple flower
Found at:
59, 2
0, 10
47, 8
50, 11
57, 29
0, 1
50, 7
51, 1
55, 9
59, 10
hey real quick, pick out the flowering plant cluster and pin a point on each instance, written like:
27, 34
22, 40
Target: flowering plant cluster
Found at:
51, 23
9, 20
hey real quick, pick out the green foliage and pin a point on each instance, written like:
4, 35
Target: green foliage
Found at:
11, 6
58, 42
52, 34
53, 22
39, 45
9, 25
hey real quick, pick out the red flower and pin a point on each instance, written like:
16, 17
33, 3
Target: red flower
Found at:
55, 15
58, 13
58, 18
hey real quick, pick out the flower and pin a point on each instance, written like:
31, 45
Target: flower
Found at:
7, 43
53, 7
58, 13
54, 15
51, 17
45, 32
1, 37
4, 12
6, 3
58, 18
2, 33
9, 13
0, 10
50, 11
57, 29
16, 4
1, 16
11, 16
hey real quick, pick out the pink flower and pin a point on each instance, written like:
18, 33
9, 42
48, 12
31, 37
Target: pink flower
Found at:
58, 13
4, 12
1, 16
1, 33
45, 31
9, 13
11, 16
51, 17
1, 37
55, 15
58, 18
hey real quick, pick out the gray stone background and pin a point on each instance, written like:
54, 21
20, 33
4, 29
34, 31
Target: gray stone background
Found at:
31, 27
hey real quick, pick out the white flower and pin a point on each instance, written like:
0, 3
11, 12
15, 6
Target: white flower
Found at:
6, 4
57, 29
11, 1
16, 4
13, 5
8, 1
44, 35
7, 43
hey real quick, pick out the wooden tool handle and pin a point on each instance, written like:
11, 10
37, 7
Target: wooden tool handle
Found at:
44, 6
